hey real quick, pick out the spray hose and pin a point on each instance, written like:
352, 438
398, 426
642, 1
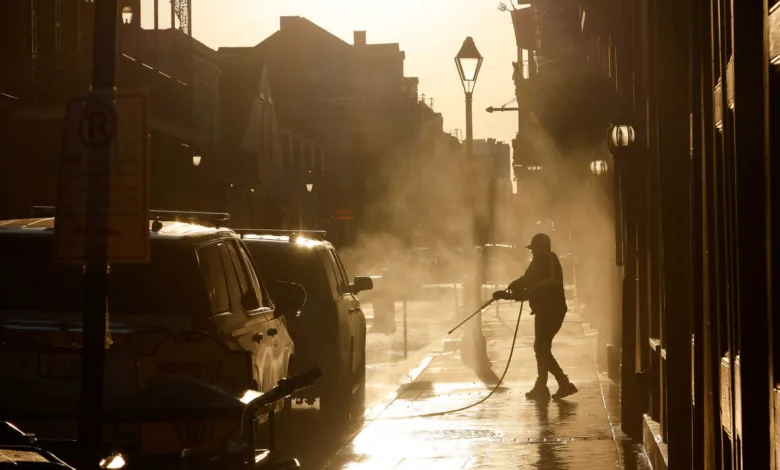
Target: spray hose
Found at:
486, 397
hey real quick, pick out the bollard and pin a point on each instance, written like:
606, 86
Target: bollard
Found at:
406, 350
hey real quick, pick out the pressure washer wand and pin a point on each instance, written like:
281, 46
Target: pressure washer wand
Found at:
483, 307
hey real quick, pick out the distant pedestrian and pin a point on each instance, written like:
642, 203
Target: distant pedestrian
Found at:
542, 287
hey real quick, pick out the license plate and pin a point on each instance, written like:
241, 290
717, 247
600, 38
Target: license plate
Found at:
60, 365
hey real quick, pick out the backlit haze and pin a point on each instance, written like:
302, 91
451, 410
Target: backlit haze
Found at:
429, 31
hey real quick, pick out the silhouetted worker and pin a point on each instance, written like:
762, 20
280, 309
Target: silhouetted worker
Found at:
542, 287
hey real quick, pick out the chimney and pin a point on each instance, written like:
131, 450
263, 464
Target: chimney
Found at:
360, 38
285, 21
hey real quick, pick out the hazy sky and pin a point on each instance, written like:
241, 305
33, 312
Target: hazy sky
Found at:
429, 31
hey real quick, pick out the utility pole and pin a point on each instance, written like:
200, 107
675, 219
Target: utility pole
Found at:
96, 275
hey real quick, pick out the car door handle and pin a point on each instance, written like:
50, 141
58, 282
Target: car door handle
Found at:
272, 332
257, 337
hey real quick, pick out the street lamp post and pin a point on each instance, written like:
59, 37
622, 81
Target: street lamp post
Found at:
197, 158
473, 350
309, 189
468, 61
620, 139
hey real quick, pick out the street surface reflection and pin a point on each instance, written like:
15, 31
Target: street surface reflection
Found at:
507, 431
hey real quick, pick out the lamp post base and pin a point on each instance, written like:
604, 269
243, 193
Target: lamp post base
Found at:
473, 351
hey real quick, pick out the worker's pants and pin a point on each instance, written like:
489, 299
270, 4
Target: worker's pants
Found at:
546, 326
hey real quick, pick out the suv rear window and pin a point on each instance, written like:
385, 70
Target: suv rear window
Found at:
33, 282
276, 263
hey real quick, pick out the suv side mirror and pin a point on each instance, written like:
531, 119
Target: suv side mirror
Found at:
361, 284
289, 297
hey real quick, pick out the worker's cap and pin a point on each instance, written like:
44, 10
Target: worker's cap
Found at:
540, 241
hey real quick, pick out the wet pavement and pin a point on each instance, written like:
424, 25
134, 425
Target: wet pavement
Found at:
505, 432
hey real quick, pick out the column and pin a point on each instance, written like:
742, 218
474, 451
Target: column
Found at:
753, 173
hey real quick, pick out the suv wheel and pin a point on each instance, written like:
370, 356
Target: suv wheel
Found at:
358, 407
337, 401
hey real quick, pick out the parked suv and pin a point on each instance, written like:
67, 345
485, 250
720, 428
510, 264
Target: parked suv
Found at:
198, 302
330, 331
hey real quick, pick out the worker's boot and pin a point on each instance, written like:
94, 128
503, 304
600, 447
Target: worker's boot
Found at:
565, 389
540, 392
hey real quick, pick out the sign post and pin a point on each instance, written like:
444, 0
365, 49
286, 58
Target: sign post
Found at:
101, 163
101, 216
95, 274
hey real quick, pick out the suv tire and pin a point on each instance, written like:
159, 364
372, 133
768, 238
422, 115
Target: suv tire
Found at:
337, 400
358, 407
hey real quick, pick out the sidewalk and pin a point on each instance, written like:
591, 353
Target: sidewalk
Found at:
507, 431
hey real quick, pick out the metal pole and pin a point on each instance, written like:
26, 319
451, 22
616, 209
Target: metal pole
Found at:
475, 289
96, 276
473, 334
469, 136
406, 349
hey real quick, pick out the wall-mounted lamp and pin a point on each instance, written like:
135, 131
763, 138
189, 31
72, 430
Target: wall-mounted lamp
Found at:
127, 15
309, 183
598, 167
620, 137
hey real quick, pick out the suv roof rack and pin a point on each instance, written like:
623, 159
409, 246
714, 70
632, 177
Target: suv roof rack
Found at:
320, 235
215, 218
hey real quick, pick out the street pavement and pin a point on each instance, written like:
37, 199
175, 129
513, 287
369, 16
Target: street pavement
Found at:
305, 436
506, 431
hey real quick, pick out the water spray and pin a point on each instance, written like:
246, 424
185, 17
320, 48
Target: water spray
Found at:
492, 391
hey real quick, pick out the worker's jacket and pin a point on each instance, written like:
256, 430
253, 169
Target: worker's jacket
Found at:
542, 285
